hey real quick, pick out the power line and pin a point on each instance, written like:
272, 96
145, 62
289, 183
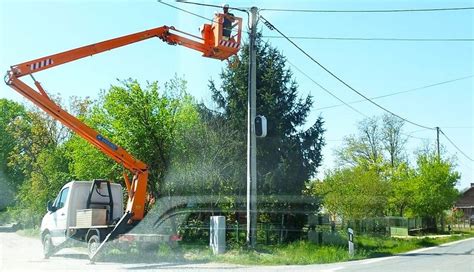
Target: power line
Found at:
371, 10
210, 5
396, 93
466, 165
460, 151
195, 14
418, 138
345, 103
460, 127
375, 39
415, 131
183, 10
336, 77
326, 90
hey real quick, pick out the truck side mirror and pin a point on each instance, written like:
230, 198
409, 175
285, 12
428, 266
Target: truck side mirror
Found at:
50, 206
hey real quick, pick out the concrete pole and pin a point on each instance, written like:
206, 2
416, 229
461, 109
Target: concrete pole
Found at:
251, 138
437, 142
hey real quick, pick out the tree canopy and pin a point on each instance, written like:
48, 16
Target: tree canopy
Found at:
375, 178
291, 152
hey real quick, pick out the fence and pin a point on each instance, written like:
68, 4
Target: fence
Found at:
392, 225
236, 233
319, 230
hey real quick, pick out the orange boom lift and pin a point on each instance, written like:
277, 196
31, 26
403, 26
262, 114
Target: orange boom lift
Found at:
210, 44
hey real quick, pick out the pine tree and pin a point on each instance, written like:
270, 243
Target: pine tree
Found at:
289, 155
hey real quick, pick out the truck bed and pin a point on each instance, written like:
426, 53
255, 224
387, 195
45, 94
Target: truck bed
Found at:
94, 227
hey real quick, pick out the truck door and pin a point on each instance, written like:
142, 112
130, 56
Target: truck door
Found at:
59, 217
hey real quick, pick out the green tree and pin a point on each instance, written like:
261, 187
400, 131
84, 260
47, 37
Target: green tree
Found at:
393, 141
434, 186
354, 193
403, 190
39, 154
204, 162
149, 124
291, 152
50, 171
288, 149
379, 142
10, 177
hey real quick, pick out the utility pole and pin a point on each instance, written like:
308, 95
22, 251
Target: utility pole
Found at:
251, 137
437, 142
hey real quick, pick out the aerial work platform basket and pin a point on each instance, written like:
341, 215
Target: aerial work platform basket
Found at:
222, 47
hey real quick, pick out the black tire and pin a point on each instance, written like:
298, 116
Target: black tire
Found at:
92, 245
48, 248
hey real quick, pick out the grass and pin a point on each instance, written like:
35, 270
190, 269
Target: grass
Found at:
303, 252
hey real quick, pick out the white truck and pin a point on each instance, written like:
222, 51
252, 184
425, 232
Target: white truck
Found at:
87, 211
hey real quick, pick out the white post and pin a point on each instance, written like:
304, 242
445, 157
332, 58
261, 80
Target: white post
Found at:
351, 242
217, 234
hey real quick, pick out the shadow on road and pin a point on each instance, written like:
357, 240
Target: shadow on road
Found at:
72, 255
468, 253
175, 266
141, 262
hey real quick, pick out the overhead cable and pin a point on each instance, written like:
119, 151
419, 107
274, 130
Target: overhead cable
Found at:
460, 151
466, 127
371, 10
326, 90
183, 10
192, 13
342, 81
396, 93
374, 39
345, 103
209, 5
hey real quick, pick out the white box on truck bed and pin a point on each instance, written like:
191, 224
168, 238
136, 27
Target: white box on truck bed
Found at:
87, 218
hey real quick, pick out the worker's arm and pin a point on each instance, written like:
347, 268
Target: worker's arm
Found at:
229, 16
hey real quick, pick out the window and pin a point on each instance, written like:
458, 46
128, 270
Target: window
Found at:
62, 197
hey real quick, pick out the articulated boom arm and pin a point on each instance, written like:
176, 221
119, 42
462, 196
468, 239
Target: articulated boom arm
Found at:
47, 62
137, 187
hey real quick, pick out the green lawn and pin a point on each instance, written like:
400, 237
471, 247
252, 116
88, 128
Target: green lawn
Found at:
303, 252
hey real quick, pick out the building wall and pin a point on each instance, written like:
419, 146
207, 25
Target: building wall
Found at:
466, 202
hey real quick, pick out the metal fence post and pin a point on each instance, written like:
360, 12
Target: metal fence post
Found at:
237, 232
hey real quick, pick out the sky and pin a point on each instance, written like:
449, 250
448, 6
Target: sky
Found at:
32, 29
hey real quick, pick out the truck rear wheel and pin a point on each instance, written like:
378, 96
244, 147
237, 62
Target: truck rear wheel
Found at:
92, 245
48, 248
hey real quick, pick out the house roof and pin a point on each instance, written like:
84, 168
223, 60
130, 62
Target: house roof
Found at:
467, 199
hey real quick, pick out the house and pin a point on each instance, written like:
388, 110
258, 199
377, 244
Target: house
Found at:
466, 202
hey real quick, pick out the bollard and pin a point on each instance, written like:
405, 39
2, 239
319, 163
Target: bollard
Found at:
217, 234
350, 232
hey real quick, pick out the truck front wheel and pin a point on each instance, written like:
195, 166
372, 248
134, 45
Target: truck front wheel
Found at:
48, 248
93, 245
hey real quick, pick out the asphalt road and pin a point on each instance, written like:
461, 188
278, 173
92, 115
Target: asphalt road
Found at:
24, 254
